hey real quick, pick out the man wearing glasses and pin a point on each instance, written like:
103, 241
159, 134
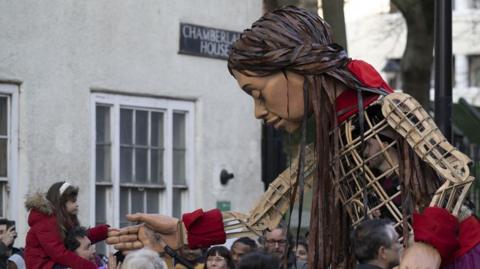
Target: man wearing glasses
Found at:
277, 243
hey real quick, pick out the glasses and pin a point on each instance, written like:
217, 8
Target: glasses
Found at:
273, 242
215, 259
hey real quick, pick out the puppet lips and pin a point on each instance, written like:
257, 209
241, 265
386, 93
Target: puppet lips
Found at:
273, 121
279, 124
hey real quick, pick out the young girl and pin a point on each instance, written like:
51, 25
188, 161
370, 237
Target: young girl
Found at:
51, 217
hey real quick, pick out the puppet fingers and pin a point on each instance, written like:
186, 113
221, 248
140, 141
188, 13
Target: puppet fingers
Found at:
121, 239
159, 223
123, 231
128, 245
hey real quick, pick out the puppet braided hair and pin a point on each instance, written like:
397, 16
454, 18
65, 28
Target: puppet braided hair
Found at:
293, 39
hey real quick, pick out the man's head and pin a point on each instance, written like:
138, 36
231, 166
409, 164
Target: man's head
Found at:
78, 242
143, 258
242, 246
276, 241
376, 242
7, 232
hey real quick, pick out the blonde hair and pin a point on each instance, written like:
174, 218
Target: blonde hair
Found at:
143, 259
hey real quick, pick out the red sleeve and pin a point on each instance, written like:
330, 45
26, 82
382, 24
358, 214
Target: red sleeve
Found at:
469, 235
437, 227
204, 228
52, 244
98, 233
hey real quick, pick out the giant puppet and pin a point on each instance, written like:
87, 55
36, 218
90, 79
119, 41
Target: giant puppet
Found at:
376, 152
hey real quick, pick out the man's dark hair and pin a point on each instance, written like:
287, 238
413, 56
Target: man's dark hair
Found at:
7, 222
71, 240
247, 241
259, 260
368, 237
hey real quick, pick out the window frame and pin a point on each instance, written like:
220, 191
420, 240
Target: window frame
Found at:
168, 106
11, 207
470, 78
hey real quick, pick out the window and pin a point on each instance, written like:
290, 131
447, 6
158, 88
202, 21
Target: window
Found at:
392, 73
474, 70
8, 151
476, 4
143, 156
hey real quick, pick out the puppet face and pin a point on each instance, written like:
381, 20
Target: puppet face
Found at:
278, 98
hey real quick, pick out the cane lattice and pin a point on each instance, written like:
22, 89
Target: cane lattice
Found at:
368, 181
368, 176
405, 115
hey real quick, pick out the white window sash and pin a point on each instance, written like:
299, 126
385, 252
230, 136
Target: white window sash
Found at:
167, 106
12, 208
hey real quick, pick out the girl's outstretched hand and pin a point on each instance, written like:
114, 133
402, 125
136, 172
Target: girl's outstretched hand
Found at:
112, 262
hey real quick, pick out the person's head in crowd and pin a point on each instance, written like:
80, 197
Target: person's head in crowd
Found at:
16, 261
8, 234
78, 242
258, 260
375, 242
276, 241
193, 256
218, 257
63, 197
143, 259
242, 246
300, 249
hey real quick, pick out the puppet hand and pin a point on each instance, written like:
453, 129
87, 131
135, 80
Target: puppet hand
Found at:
151, 239
135, 237
420, 256
125, 238
169, 229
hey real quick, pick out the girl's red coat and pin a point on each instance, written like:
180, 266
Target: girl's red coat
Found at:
44, 246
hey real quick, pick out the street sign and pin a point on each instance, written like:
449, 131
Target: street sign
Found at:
205, 41
224, 205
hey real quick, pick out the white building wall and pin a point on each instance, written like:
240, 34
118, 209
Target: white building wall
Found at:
58, 51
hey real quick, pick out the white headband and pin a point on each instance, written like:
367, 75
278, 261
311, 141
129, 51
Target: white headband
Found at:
64, 187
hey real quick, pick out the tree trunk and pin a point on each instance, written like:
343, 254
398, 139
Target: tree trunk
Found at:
416, 64
334, 15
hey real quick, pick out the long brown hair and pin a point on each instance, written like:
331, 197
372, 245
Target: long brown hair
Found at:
58, 200
293, 39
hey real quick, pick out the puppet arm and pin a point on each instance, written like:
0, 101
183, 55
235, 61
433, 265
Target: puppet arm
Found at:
202, 229
407, 117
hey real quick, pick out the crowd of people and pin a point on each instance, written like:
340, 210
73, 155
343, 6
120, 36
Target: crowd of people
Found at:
57, 240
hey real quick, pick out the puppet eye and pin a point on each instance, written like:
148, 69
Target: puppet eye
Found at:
256, 94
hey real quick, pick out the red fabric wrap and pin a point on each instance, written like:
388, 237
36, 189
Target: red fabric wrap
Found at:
204, 228
98, 233
346, 103
367, 75
469, 235
437, 227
